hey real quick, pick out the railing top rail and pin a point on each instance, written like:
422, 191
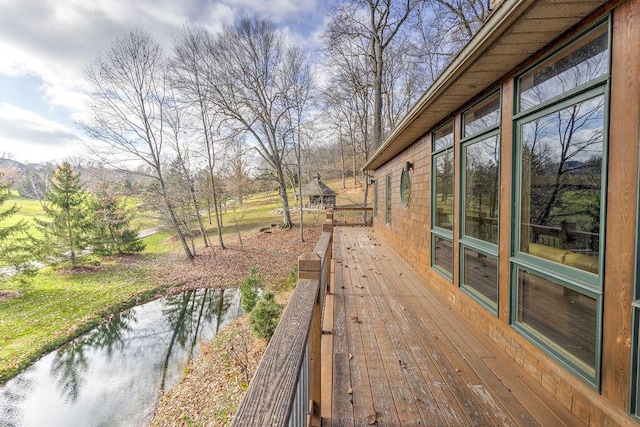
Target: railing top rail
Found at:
352, 208
322, 247
271, 393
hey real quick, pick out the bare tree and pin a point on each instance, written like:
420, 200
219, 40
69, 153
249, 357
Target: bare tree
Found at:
249, 83
440, 29
182, 161
298, 79
128, 107
377, 22
189, 65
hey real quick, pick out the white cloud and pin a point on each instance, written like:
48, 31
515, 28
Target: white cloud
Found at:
31, 137
56, 40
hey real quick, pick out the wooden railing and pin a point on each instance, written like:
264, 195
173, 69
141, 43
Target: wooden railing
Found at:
285, 390
566, 237
352, 215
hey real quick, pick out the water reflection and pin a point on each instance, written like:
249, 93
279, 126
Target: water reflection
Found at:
114, 374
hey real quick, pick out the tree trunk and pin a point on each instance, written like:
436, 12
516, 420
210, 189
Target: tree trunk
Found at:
174, 219
217, 212
282, 190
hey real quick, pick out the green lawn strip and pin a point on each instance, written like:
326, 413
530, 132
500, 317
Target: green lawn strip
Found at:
58, 306
29, 209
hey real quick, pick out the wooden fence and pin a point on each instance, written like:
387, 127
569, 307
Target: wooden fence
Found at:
352, 215
285, 390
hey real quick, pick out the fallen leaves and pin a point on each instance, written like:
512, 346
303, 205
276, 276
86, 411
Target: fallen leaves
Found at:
355, 319
274, 254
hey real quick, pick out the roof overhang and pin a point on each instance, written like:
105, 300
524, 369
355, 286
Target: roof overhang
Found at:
515, 30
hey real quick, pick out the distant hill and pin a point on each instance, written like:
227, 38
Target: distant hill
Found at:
9, 164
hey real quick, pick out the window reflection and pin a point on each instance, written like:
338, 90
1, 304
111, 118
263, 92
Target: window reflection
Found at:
482, 115
482, 189
565, 317
443, 137
405, 188
443, 254
561, 185
584, 61
443, 195
481, 274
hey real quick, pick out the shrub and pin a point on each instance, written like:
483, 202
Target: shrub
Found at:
249, 289
265, 316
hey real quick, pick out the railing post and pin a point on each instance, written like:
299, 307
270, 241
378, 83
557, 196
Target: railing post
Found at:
327, 227
309, 267
330, 214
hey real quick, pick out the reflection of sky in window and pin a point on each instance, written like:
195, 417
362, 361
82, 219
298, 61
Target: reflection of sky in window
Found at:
585, 60
444, 163
443, 137
482, 116
483, 153
572, 133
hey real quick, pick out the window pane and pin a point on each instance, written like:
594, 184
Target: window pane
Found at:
405, 188
482, 116
481, 274
443, 193
443, 137
561, 183
482, 189
583, 61
443, 254
565, 317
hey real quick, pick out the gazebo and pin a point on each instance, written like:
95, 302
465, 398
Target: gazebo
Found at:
320, 195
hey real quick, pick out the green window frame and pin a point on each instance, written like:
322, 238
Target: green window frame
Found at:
387, 201
479, 211
559, 201
442, 206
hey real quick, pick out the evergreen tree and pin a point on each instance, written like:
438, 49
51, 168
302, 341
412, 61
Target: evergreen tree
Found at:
249, 289
14, 240
112, 232
265, 316
67, 207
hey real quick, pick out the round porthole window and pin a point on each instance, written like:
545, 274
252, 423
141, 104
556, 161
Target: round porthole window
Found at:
405, 188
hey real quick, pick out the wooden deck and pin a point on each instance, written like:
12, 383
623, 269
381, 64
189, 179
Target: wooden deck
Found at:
401, 356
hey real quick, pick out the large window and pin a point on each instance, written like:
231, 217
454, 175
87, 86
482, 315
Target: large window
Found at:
559, 202
480, 201
442, 200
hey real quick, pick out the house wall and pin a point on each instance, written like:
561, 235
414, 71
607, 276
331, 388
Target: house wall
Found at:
409, 232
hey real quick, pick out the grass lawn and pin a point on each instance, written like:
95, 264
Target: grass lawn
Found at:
58, 304
29, 209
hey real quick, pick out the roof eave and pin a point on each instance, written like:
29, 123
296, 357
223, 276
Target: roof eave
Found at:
505, 16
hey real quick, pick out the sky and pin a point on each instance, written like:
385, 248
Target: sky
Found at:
47, 45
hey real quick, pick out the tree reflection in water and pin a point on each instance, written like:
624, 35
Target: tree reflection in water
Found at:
114, 374
70, 364
184, 317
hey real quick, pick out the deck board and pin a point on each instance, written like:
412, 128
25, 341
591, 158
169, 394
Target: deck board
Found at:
410, 359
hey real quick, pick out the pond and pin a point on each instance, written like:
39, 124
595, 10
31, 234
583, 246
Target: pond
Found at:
115, 374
